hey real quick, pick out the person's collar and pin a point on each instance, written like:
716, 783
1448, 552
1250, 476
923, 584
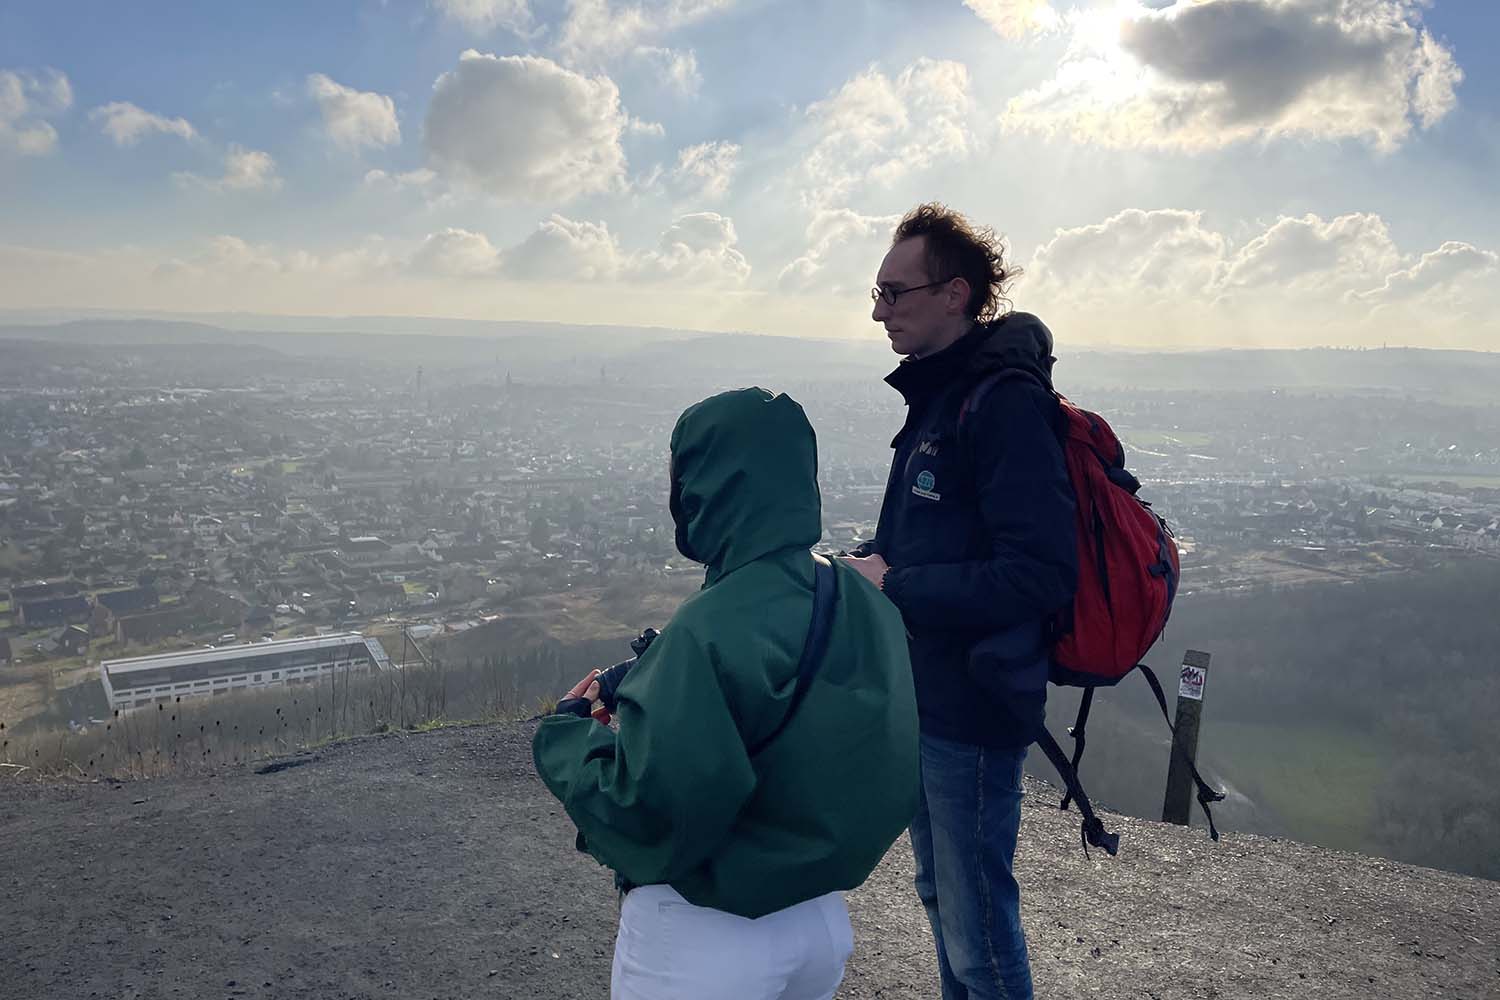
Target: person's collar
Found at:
917, 377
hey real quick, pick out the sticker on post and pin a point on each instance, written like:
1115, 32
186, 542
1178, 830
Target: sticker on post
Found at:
1191, 683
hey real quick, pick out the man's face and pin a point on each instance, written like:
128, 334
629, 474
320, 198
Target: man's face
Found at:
919, 323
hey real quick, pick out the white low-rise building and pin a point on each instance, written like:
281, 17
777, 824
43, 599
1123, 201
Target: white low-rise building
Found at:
144, 680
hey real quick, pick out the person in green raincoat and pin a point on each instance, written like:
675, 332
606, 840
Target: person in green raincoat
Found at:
734, 863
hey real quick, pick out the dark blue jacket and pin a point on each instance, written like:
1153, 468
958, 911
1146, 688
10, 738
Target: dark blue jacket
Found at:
977, 526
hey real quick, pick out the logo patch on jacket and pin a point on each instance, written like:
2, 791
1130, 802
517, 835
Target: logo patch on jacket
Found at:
924, 488
927, 448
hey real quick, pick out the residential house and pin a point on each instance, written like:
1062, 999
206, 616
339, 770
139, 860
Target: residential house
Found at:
153, 626
119, 603
75, 610
73, 640
45, 591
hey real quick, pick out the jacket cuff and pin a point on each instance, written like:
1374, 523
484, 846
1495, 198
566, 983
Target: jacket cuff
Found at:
891, 584
573, 706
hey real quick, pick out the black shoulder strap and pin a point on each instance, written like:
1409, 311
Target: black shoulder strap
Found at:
981, 388
1093, 831
1206, 793
825, 592
1080, 739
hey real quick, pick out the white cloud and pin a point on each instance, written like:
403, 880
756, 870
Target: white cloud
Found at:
844, 252
128, 124
483, 16
1164, 254
595, 30
249, 170
1015, 18
1309, 254
564, 249
354, 118
226, 259
27, 100
1205, 74
875, 129
1172, 253
698, 250
1454, 270
705, 171
381, 179
1147, 278
227, 255
636, 126
244, 170
1163, 276
456, 253
678, 70
523, 127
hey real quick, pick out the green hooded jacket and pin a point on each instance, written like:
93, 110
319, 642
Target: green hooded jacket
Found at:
674, 796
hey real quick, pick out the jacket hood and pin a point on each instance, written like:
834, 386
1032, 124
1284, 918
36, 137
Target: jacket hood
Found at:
1016, 340
744, 479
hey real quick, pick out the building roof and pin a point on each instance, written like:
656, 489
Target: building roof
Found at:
204, 664
44, 591
57, 607
125, 602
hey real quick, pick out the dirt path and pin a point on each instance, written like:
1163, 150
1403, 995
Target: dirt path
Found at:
436, 865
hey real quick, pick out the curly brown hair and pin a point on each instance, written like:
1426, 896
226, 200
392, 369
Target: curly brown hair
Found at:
955, 247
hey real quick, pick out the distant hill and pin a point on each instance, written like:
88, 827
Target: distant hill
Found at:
648, 354
509, 344
1460, 376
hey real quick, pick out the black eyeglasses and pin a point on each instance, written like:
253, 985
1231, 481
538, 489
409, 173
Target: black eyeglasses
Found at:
890, 295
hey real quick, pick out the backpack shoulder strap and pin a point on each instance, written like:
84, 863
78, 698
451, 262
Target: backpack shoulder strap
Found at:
1093, 831
980, 389
825, 594
1207, 795
989, 379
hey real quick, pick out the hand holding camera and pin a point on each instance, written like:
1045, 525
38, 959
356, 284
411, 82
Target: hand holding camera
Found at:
595, 693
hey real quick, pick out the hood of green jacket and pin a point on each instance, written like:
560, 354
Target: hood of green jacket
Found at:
744, 479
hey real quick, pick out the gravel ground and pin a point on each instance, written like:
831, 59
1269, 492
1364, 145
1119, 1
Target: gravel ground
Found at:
436, 865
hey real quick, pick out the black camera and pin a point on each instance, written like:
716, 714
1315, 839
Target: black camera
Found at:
609, 680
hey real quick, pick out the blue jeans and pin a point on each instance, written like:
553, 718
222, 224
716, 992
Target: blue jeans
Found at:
964, 839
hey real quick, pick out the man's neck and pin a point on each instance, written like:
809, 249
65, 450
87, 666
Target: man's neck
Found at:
950, 338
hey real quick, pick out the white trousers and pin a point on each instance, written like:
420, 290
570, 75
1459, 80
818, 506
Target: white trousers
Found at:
669, 949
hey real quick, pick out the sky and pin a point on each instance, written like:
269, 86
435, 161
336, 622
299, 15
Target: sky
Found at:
1198, 173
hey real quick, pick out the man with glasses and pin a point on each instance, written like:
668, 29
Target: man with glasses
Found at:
975, 546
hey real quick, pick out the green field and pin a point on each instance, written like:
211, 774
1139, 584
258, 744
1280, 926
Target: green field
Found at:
1320, 782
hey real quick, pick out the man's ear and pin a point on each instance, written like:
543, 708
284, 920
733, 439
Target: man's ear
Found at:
958, 295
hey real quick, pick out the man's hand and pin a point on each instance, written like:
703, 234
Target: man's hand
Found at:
872, 568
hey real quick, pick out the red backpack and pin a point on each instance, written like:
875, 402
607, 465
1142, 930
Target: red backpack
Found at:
1128, 570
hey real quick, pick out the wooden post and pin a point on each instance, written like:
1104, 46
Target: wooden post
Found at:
1177, 806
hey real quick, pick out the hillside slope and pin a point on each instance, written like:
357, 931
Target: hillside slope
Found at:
436, 865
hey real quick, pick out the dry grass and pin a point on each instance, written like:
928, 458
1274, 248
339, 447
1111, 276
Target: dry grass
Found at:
196, 734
